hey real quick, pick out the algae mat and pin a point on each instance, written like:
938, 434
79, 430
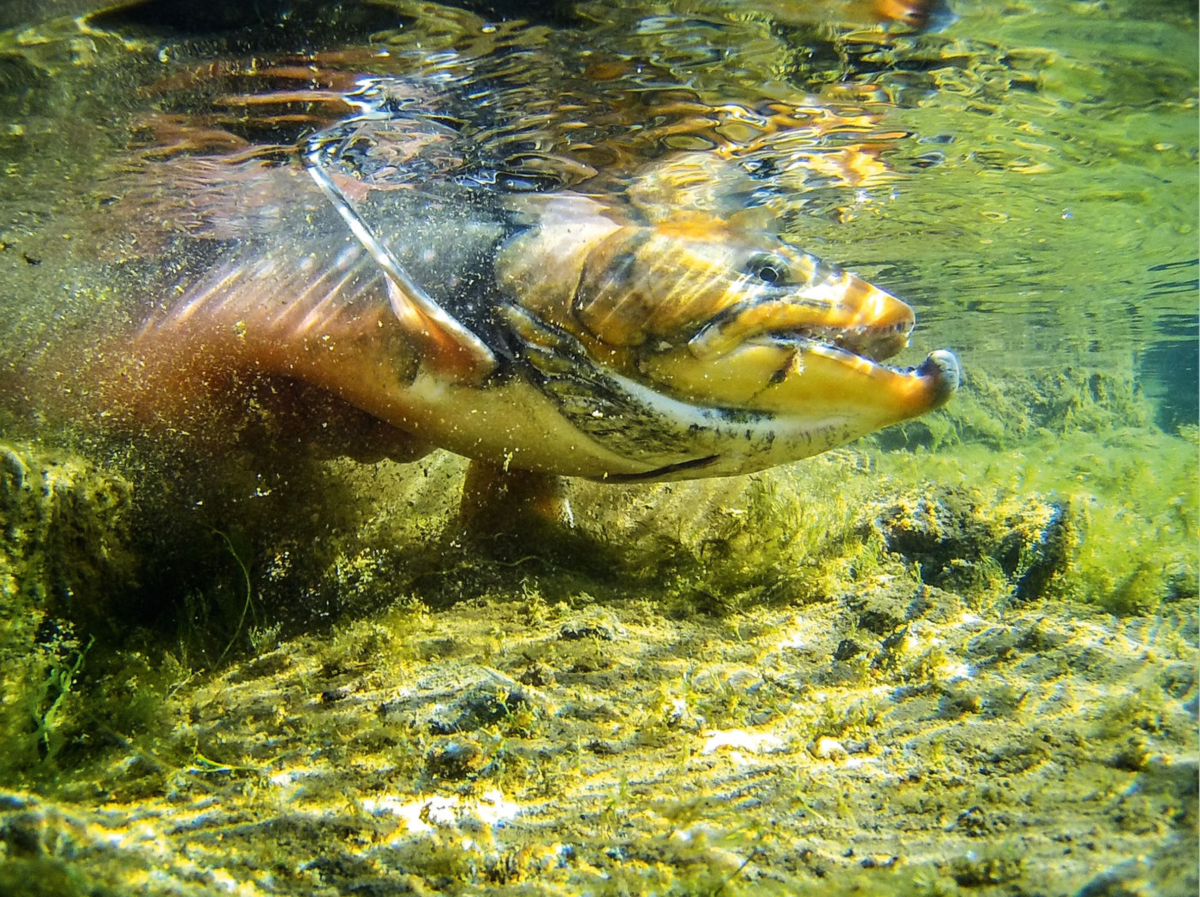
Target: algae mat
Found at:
810, 715
957, 657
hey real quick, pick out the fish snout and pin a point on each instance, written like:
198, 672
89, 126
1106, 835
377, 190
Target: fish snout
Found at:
872, 322
941, 375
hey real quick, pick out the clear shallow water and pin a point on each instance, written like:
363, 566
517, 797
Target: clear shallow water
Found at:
1026, 177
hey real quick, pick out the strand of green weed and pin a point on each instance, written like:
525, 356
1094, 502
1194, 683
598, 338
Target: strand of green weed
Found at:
64, 680
245, 607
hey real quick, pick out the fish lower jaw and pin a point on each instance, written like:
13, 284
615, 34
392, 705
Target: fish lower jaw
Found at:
942, 370
894, 393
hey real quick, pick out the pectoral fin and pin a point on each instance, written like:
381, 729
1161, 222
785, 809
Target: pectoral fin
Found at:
447, 347
452, 350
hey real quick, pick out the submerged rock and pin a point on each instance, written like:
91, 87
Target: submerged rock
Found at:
963, 541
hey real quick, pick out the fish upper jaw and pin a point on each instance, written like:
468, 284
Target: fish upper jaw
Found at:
840, 309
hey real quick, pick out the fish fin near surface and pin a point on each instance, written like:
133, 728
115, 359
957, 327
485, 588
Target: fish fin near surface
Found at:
262, 303
449, 347
312, 309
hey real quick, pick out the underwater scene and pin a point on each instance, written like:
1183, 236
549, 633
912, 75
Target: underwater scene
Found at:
665, 447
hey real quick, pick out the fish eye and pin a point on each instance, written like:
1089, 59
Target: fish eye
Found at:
769, 269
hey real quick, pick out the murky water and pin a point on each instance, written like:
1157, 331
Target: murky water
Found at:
1023, 173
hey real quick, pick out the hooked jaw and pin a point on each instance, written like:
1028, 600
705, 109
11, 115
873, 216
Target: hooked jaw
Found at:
862, 388
815, 353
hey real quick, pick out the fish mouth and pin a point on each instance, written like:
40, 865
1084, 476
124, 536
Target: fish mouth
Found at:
797, 359
875, 343
835, 309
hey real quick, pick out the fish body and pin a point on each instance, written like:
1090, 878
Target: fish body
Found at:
648, 327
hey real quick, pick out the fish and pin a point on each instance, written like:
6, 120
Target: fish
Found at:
640, 325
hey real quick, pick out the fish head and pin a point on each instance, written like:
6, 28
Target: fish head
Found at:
712, 324
745, 320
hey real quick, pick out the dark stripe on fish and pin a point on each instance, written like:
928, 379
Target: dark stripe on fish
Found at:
660, 472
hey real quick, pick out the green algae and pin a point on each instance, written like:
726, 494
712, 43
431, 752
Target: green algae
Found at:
63, 558
630, 744
655, 800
